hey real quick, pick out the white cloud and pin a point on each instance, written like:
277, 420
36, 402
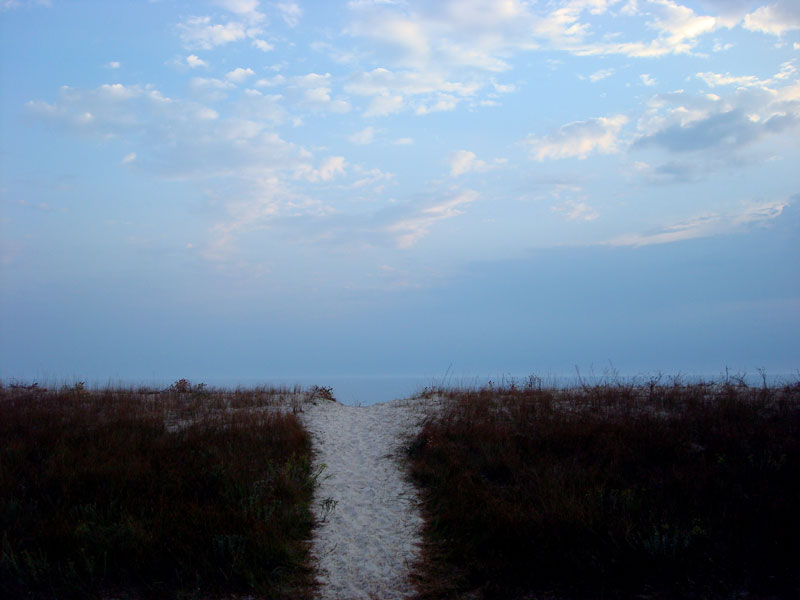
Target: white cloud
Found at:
12, 4
600, 75
384, 104
383, 81
476, 34
262, 45
313, 92
578, 139
194, 61
328, 169
776, 18
409, 230
464, 161
128, 158
200, 32
677, 29
406, 141
363, 137
238, 75
647, 79
290, 12
444, 102
715, 79
271, 81
114, 64
431, 92
574, 210
210, 89
705, 225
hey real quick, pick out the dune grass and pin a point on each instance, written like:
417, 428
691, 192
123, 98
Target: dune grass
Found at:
185, 492
619, 489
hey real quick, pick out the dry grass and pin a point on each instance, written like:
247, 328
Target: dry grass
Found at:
185, 492
613, 490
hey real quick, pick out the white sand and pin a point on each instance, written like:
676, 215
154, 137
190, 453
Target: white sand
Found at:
364, 547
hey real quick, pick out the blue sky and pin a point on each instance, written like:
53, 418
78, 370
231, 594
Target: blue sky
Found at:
244, 188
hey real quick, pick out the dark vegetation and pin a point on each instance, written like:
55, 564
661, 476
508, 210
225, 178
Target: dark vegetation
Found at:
185, 492
615, 490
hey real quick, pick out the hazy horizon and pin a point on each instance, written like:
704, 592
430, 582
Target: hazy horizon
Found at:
244, 189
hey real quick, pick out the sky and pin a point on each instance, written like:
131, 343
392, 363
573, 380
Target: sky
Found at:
260, 189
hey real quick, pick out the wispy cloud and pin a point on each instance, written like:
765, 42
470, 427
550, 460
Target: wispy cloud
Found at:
363, 137
574, 210
463, 161
290, 12
202, 33
409, 230
776, 18
578, 139
705, 225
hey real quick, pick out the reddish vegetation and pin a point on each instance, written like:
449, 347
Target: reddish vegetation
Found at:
149, 493
612, 490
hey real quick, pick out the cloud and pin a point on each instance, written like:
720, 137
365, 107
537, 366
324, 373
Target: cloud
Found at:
330, 168
128, 158
444, 102
677, 28
200, 32
578, 139
210, 89
384, 104
714, 79
407, 231
363, 137
427, 92
437, 47
238, 75
177, 138
313, 92
410, 83
253, 106
729, 130
705, 133
195, 62
405, 141
464, 161
262, 45
114, 64
776, 18
12, 4
647, 79
705, 225
574, 210
290, 12
600, 75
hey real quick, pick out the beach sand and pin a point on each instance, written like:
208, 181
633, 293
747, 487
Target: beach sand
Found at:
368, 530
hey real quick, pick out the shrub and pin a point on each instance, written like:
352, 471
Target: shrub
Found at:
151, 494
612, 490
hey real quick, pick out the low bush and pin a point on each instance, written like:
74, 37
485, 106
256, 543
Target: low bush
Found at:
179, 492
614, 490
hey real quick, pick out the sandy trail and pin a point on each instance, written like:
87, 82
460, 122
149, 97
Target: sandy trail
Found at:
365, 546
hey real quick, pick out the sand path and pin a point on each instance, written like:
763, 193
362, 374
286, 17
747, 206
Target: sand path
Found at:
365, 546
